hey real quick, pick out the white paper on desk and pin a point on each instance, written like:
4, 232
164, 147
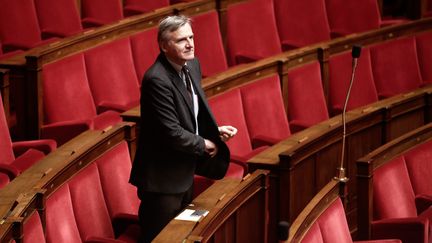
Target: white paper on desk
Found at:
192, 215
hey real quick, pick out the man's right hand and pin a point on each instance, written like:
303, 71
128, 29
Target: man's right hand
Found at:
210, 148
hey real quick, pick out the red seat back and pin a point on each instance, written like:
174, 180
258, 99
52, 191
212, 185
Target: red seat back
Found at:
132, 7
32, 229
59, 212
301, 23
19, 27
103, 11
392, 181
395, 67
264, 109
114, 170
424, 51
58, 17
334, 218
363, 91
419, 164
306, 102
228, 110
208, 43
67, 93
112, 78
145, 50
352, 16
91, 213
251, 31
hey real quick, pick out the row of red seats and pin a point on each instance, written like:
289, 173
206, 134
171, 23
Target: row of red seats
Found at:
257, 109
25, 24
28, 23
95, 205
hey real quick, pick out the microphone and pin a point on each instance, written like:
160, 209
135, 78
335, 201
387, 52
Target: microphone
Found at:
355, 53
283, 231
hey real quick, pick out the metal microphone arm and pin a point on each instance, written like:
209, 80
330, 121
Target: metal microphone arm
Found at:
341, 170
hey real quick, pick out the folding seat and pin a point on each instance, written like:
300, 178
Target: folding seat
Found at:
352, 16
228, 110
99, 12
420, 169
145, 49
59, 212
323, 220
58, 18
251, 32
301, 23
264, 111
19, 29
208, 43
120, 196
133, 7
112, 78
306, 102
15, 157
363, 91
89, 203
68, 103
395, 67
33, 229
424, 52
395, 212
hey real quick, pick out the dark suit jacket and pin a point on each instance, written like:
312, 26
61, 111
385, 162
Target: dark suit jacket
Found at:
168, 150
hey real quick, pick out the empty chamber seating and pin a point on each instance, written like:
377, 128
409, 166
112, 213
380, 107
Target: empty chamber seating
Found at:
363, 91
246, 43
99, 12
301, 23
306, 102
395, 67
112, 78
58, 18
68, 103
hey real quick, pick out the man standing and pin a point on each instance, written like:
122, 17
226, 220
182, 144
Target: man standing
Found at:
178, 134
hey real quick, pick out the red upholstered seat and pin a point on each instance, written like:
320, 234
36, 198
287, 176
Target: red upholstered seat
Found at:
112, 78
424, 52
100, 12
395, 67
59, 212
363, 91
89, 203
352, 16
133, 7
228, 110
306, 102
15, 157
145, 49
58, 18
19, 29
264, 111
208, 43
68, 103
33, 229
398, 217
251, 31
301, 23
120, 196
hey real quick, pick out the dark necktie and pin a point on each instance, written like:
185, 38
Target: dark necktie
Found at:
186, 74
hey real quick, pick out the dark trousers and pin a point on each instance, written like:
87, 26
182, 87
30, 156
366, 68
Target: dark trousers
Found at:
158, 209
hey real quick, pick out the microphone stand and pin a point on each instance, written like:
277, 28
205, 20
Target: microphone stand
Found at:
341, 170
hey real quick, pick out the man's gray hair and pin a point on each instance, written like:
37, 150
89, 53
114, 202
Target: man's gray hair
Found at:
170, 24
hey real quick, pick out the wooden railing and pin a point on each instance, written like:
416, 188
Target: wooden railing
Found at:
237, 213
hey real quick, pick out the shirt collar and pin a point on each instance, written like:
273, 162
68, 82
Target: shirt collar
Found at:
177, 67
